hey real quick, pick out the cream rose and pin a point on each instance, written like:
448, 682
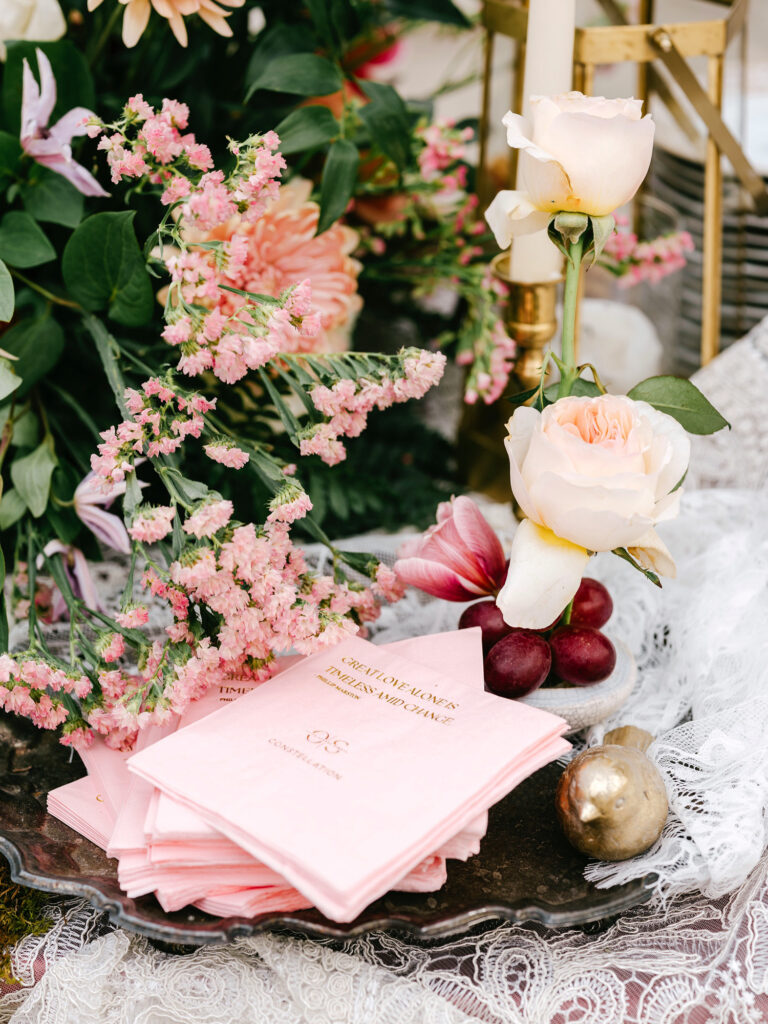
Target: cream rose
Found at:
590, 474
38, 20
583, 154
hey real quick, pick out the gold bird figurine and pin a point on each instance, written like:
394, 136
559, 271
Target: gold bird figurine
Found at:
611, 800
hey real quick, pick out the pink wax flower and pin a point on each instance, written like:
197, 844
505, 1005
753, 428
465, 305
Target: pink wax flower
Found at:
458, 559
93, 492
51, 146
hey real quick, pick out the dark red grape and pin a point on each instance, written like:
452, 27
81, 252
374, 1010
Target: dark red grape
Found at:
582, 655
487, 616
592, 605
517, 664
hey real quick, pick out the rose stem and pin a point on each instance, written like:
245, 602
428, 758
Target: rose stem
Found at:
570, 297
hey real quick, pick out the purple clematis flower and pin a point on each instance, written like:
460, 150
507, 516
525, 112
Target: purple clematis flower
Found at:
109, 528
51, 146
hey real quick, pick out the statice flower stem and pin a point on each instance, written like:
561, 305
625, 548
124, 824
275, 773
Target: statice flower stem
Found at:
568, 371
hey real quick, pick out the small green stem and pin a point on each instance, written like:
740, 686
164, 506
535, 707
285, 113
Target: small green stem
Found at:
566, 619
570, 297
44, 291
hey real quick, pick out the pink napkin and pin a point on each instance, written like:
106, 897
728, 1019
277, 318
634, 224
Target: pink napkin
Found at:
384, 759
80, 805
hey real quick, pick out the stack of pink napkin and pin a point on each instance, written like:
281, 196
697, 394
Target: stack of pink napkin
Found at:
352, 772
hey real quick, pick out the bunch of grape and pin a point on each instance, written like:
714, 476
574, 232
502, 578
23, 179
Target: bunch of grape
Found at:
519, 661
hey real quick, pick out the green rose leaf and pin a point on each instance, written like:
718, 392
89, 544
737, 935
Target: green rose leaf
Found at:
338, 182
386, 118
103, 267
12, 508
300, 74
49, 197
682, 400
31, 477
37, 344
9, 381
7, 296
22, 242
306, 128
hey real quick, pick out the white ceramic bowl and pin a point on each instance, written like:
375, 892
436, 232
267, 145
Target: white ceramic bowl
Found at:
581, 706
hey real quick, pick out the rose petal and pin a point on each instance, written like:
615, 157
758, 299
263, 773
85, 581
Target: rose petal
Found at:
480, 538
652, 553
512, 214
544, 574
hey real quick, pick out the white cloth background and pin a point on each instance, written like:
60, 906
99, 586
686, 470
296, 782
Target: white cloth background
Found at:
698, 953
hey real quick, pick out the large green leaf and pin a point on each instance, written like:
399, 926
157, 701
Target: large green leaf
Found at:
22, 242
7, 296
31, 477
10, 154
682, 400
306, 128
338, 183
51, 198
109, 354
300, 74
74, 85
103, 268
37, 344
387, 121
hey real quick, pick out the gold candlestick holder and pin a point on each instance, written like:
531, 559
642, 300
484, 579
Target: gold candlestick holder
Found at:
529, 316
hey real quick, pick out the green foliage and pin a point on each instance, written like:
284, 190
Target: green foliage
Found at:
22, 913
386, 118
103, 268
31, 477
303, 74
12, 508
7, 295
10, 154
682, 400
9, 381
22, 242
338, 184
306, 128
37, 342
50, 198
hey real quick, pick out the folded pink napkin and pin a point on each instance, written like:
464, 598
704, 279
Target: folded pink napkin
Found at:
384, 760
80, 805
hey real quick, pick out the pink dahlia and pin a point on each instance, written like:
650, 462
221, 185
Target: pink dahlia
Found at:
282, 251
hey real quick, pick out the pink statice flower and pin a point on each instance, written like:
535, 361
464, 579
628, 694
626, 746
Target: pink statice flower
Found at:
388, 584
151, 523
51, 145
132, 616
209, 518
227, 453
289, 504
111, 647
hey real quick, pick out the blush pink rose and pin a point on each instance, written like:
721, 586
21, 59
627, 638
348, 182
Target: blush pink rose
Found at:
590, 474
460, 558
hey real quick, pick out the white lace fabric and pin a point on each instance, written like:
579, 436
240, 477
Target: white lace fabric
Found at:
696, 954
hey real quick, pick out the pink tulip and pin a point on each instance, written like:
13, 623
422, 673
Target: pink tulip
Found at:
51, 145
458, 559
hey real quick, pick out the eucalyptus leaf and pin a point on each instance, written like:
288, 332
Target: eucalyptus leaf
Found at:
103, 268
306, 128
683, 401
338, 182
22, 241
31, 477
7, 294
